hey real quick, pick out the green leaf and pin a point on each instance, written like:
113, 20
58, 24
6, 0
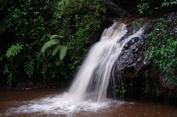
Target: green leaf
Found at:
49, 44
14, 50
63, 51
55, 50
56, 36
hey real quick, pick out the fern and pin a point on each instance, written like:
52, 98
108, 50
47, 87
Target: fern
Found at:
49, 44
55, 50
54, 36
29, 67
14, 50
63, 49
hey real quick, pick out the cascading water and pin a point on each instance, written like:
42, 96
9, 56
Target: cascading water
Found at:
89, 89
95, 72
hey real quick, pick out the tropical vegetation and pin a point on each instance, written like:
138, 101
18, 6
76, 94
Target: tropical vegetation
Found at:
50, 38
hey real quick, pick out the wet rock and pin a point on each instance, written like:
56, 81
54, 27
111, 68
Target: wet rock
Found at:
131, 61
170, 15
166, 84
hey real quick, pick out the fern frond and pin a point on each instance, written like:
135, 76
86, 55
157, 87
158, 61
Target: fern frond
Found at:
14, 50
62, 48
55, 50
29, 67
63, 51
56, 36
49, 44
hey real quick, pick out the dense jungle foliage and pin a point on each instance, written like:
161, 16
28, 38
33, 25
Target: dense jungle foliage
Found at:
50, 38
161, 46
62, 26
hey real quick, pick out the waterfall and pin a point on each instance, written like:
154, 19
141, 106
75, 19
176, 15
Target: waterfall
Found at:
88, 92
96, 69
92, 79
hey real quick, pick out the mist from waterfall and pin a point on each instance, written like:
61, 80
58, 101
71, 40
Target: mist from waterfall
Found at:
89, 89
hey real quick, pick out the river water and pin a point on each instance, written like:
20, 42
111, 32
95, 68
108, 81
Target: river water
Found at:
12, 100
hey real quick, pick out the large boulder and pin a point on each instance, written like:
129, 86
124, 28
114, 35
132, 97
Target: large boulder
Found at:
113, 9
132, 61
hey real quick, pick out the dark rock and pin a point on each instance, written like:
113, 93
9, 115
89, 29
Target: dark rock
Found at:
165, 84
30, 82
132, 62
112, 8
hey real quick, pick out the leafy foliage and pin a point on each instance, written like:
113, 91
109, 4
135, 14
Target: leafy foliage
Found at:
152, 6
14, 50
25, 34
28, 25
63, 51
75, 23
138, 23
53, 41
162, 46
49, 44
29, 67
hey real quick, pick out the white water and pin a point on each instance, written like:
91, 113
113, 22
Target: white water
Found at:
89, 89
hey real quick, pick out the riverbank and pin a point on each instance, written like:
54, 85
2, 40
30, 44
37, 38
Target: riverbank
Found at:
30, 85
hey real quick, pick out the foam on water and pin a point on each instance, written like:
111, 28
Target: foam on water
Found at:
59, 105
89, 90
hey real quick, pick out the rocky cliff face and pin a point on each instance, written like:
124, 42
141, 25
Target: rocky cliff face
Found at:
132, 63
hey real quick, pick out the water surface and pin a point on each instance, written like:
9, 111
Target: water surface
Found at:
12, 100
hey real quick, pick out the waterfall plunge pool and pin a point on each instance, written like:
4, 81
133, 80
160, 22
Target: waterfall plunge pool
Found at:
25, 104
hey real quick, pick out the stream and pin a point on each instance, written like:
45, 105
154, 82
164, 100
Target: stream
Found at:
14, 99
